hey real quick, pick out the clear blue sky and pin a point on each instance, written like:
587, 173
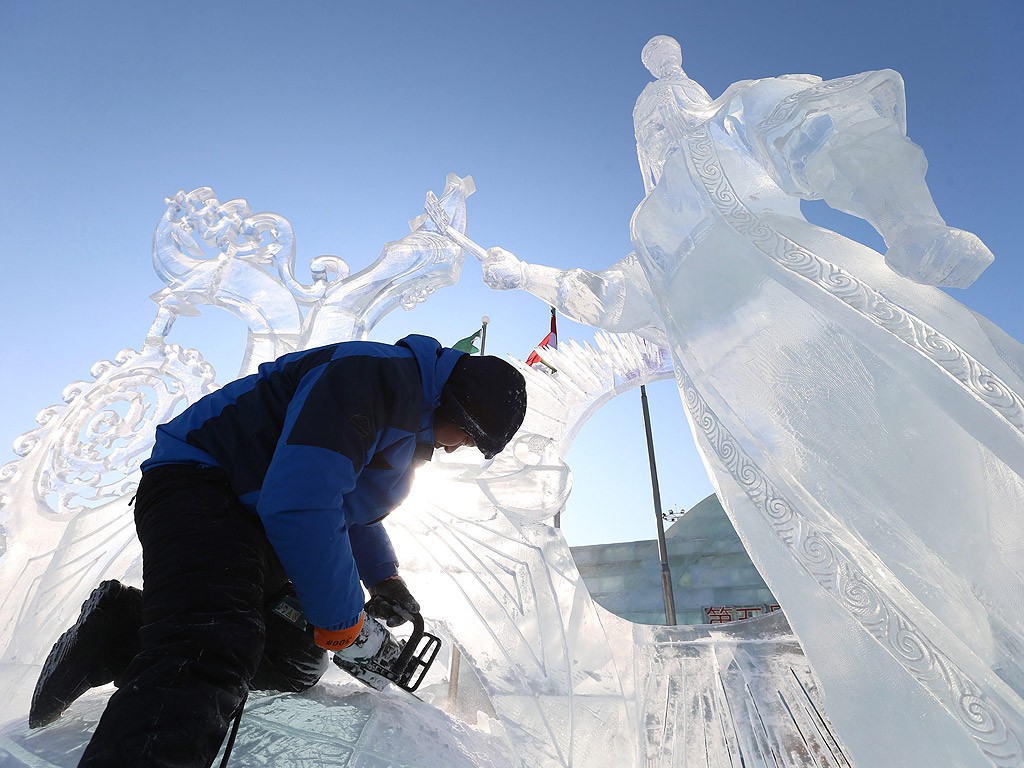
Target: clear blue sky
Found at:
340, 116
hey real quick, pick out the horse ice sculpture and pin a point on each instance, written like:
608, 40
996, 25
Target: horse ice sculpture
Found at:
547, 677
864, 431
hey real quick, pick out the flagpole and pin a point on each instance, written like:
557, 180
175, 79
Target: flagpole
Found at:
558, 514
456, 656
666, 574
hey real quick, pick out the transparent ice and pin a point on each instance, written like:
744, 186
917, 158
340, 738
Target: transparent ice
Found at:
862, 429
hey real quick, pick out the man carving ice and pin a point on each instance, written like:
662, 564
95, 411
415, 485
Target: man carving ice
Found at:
276, 482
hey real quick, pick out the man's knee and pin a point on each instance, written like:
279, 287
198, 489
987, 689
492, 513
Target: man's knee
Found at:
291, 661
292, 674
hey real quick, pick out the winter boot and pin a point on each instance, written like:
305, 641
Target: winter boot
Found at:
94, 652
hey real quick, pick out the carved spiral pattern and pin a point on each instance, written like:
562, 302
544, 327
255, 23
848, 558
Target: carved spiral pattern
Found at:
974, 709
886, 313
858, 596
816, 552
914, 651
779, 510
939, 347
840, 282
93, 445
795, 258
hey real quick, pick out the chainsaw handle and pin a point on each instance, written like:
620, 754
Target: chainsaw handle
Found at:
418, 654
411, 644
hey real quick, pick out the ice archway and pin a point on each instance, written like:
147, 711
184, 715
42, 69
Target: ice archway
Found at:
548, 677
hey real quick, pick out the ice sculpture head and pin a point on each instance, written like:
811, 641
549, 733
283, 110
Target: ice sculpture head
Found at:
485, 397
665, 107
662, 56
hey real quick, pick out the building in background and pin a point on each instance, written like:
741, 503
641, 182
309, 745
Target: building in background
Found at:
713, 578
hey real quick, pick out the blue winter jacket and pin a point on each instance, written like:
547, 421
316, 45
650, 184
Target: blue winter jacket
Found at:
322, 445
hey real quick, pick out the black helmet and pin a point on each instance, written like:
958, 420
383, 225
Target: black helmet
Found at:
486, 397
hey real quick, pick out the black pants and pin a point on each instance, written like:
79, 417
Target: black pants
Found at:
209, 577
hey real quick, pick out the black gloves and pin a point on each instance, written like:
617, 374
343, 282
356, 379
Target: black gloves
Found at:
391, 601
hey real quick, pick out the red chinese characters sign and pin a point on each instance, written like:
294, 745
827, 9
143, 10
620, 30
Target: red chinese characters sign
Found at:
722, 614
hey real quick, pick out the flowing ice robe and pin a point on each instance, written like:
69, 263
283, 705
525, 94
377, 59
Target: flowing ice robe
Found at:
864, 432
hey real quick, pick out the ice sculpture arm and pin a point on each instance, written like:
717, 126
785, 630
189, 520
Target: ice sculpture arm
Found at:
607, 299
613, 299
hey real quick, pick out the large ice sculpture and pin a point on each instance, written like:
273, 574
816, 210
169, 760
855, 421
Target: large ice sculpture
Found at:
542, 676
864, 431
862, 428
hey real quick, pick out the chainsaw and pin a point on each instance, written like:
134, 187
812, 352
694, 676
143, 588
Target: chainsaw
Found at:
377, 658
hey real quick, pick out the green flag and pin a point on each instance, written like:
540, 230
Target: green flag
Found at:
466, 344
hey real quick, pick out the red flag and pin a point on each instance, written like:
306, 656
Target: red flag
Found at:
551, 340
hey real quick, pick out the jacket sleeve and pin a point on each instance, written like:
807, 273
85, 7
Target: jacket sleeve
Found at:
374, 555
331, 428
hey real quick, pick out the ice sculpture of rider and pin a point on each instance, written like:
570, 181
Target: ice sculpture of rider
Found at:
856, 157
275, 484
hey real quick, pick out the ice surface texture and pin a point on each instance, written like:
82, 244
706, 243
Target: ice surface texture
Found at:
865, 432
545, 677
